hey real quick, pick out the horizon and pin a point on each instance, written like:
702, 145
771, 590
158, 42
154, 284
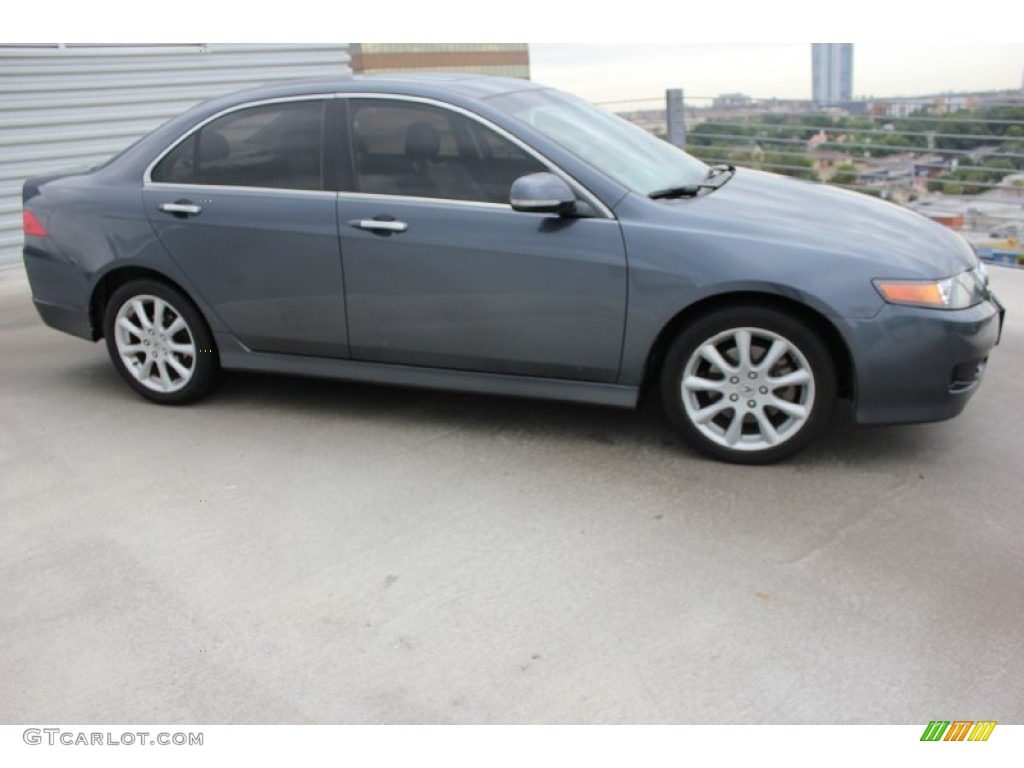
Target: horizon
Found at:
621, 72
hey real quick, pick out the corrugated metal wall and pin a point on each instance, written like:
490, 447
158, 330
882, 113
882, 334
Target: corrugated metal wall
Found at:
77, 105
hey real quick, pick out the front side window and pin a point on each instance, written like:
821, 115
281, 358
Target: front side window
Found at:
275, 145
418, 150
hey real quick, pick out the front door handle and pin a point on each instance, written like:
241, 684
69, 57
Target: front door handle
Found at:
181, 209
378, 225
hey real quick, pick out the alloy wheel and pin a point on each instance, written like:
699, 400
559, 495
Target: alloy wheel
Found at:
748, 389
155, 343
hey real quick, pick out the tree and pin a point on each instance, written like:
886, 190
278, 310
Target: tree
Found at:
791, 164
845, 174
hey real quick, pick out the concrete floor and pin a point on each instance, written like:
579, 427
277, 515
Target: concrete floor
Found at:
297, 551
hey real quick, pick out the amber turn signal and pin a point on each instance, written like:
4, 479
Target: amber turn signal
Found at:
927, 293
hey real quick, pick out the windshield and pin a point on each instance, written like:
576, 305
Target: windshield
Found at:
623, 151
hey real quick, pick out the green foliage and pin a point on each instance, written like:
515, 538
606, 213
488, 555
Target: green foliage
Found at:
780, 139
968, 181
845, 174
1000, 164
795, 164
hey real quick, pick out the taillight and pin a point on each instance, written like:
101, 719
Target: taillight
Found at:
32, 225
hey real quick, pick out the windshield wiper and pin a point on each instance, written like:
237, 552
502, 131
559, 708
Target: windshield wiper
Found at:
686, 190
719, 170
719, 173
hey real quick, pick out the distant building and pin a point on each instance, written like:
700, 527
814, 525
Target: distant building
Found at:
502, 59
827, 163
939, 105
832, 73
730, 100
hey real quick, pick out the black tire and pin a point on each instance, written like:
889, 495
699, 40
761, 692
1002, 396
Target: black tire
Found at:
155, 361
781, 404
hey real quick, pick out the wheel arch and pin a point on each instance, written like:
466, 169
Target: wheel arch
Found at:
114, 279
815, 320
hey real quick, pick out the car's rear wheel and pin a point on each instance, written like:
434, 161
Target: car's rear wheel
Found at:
159, 343
748, 385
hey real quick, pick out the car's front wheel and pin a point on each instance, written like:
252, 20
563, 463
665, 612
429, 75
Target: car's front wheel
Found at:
159, 343
748, 385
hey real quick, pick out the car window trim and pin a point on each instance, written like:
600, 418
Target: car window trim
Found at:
158, 185
337, 165
147, 179
351, 194
147, 176
593, 200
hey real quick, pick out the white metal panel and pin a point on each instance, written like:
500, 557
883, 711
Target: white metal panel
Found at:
76, 105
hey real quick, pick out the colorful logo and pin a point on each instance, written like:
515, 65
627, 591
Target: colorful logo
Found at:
958, 730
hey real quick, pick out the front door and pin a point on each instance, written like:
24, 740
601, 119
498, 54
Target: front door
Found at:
441, 272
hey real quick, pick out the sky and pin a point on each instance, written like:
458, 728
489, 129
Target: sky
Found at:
745, 46
608, 72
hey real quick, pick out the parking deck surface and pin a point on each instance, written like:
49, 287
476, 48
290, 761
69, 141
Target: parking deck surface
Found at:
294, 551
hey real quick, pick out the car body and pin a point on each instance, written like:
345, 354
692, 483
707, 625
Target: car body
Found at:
491, 235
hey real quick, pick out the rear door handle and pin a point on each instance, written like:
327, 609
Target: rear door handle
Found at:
182, 208
377, 225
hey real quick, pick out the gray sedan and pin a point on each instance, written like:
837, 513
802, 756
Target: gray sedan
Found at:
492, 235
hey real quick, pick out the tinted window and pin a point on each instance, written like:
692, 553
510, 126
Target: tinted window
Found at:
179, 165
402, 148
278, 145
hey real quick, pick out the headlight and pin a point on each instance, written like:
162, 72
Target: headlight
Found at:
957, 292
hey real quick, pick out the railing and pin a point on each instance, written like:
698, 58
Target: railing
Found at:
957, 159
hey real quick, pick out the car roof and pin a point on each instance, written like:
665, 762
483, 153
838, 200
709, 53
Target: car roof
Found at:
453, 85
457, 88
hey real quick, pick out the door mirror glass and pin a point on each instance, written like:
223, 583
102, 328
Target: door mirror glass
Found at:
542, 193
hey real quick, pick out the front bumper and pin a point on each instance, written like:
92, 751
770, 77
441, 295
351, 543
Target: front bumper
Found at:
917, 365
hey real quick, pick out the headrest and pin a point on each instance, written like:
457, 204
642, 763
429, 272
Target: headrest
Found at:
421, 140
212, 147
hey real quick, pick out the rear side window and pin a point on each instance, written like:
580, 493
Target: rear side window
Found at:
276, 145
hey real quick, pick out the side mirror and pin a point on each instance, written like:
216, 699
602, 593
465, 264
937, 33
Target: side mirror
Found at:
542, 193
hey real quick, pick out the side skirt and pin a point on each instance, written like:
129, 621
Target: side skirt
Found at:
235, 357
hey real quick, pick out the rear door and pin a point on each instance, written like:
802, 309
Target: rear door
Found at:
242, 207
